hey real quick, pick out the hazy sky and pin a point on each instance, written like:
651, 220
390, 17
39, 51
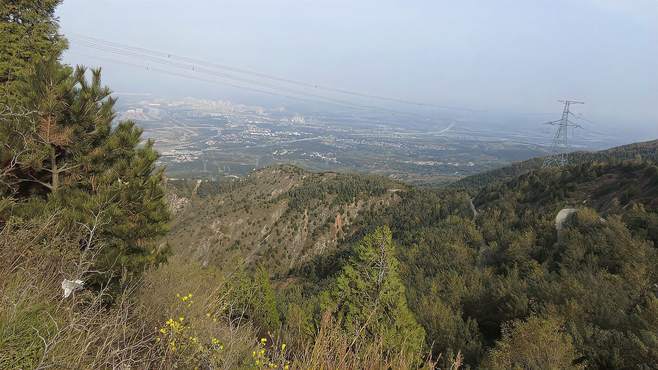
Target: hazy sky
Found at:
506, 56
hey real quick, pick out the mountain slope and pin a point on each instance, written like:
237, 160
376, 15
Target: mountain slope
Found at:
647, 150
468, 275
471, 266
281, 214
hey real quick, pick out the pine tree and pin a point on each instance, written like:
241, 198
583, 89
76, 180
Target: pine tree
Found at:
266, 311
40, 133
28, 34
536, 343
65, 155
368, 297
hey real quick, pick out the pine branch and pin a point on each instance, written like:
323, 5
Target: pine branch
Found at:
63, 169
50, 187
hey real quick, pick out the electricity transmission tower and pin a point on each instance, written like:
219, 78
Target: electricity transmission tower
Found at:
559, 156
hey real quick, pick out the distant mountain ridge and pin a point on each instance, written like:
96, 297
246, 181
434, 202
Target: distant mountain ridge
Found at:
646, 150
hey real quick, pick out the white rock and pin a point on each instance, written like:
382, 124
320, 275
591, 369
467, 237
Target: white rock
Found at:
70, 286
473, 209
562, 216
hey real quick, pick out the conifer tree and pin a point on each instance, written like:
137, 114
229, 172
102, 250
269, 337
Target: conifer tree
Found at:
28, 37
536, 343
28, 34
265, 307
368, 297
61, 151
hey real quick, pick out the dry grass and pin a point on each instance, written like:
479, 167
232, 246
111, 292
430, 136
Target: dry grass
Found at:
333, 349
214, 331
41, 329
178, 316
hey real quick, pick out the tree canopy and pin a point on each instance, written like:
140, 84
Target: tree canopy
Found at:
63, 152
368, 297
28, 33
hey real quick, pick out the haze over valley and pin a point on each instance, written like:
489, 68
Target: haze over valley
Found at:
201, 138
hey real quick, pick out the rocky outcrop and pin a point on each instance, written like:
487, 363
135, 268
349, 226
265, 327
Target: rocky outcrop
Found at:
176, 203
338, 225
562, 216
474, 211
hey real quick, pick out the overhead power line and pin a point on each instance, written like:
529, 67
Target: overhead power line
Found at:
197, 63
213, 81
194, 69
240, 78
220, 79
228, 79
293, 95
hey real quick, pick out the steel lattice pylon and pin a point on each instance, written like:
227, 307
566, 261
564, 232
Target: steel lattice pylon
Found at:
559, 156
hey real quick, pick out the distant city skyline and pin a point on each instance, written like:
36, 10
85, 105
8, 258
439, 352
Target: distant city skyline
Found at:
504, 57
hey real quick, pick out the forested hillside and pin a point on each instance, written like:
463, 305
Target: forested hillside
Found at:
281, 214
646, 150
480, 274
106, 264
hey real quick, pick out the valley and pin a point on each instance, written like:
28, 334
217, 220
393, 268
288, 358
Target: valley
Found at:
210, 139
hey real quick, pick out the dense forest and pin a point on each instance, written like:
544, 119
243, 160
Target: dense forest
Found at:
104, 263
495, 284
646, 150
